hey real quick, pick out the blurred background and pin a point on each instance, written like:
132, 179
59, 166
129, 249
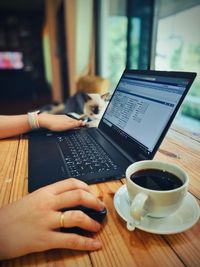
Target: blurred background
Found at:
46, 46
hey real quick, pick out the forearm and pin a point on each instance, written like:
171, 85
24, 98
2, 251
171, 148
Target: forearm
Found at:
18, 124
13, 125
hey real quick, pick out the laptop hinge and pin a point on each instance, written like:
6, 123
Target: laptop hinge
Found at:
126, 155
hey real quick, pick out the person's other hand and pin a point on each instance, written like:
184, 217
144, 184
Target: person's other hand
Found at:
32, 223
58, 122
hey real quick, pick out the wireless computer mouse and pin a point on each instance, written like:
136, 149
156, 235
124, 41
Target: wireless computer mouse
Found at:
99, 216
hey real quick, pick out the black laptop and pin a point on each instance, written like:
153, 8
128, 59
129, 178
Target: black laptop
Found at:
132, 128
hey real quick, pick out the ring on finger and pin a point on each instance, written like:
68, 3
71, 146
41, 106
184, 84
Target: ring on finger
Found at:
62, 220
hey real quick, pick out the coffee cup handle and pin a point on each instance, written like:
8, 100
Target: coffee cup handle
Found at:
137, 209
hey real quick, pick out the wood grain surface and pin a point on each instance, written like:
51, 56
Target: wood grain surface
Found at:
121, 248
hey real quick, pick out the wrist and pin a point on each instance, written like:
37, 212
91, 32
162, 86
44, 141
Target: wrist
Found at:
42, 120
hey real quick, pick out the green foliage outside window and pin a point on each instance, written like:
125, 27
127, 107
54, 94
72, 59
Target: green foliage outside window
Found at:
178, 49
116, 48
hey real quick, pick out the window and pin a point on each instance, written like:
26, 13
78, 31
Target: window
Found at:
125, 40
117, 45
178, 48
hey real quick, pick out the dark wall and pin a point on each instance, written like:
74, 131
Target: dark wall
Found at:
22, 31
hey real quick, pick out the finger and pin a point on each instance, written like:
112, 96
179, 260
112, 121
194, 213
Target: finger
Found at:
69, 126
66, 185
78, 218
81, 123
78, 197
77, 124
70, 118
72, 241
73, 121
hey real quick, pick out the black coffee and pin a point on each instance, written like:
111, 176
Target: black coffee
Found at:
156, 179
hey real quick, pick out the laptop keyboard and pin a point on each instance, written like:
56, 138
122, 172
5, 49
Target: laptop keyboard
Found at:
83, 155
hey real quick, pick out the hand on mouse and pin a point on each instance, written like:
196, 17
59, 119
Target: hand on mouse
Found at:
32, 223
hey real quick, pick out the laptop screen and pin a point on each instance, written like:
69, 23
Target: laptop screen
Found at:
142, 106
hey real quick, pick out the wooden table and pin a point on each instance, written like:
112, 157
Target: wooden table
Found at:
121, 248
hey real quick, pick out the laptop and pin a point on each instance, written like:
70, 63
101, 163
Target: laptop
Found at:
139, 113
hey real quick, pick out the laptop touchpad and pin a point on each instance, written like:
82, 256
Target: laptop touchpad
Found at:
48, 168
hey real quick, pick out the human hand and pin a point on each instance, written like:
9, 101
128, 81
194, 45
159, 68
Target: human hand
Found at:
58, 122
32, 223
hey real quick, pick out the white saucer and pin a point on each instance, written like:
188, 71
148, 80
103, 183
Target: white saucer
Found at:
185, 217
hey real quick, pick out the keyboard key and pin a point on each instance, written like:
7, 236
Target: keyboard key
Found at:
83, 155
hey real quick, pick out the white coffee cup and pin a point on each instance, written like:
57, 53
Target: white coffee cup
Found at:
150, 202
